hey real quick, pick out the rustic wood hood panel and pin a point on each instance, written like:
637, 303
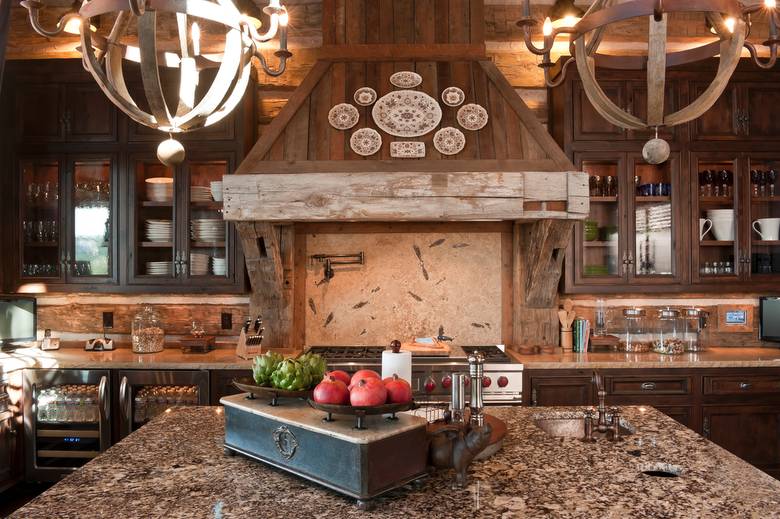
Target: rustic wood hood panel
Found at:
410, 196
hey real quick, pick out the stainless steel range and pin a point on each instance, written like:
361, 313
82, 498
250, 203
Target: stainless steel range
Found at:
432, 375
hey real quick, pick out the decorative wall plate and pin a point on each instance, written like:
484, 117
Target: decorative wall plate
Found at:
406, 113
453, 96
365, 96
407, 149
406, 79
365, 141
343, 116
449, 141
472, 117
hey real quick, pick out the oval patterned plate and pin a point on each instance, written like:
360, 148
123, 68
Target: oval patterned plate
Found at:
472, 117
453, 96
343, 116
406, 79
365, 141
406, 113
365, 96
449, 141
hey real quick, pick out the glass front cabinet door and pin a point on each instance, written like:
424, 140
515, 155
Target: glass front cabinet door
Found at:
762, 225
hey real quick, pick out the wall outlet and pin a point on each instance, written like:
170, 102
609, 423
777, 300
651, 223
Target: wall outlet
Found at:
227, 321
108, 319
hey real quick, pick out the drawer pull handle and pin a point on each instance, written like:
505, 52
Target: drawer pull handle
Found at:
648, 386
745, 385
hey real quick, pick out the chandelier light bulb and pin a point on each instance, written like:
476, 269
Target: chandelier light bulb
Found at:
274, 4
730, 23
770, 4
547, 27
73, 26
284, 19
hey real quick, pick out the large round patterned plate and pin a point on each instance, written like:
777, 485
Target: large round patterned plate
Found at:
406, 113
406, 79
343, 116
365, 141
472, 117
449, 141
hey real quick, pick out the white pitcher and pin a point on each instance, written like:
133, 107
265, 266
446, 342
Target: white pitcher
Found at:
702, 224
768, 228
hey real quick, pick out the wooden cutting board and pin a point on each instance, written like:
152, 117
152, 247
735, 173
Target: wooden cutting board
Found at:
435, 349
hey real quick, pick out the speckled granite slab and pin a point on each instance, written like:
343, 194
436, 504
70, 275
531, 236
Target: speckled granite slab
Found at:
174, 467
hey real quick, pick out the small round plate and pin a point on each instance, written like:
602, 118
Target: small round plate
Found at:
472, 117
365, 96
248, 385
365, 141
449, 141
343, 116
406, 79
453, 96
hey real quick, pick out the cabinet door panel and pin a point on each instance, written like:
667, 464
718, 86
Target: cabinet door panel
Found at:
222, 383
588, 123
750, 432
89, 115
637, 93
39, 113
682, 414
721, 121
762, 102
568, 391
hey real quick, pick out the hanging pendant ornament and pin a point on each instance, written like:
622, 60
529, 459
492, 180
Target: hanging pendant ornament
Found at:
170, 152
656, 151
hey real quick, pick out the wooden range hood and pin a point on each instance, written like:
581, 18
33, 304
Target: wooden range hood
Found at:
303, 170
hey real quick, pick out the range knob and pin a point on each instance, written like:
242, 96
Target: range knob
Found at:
467, 381
446, 382
430, 385
486, 381
503, 381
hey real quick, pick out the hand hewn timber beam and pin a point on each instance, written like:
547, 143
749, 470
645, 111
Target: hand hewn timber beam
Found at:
268, 250
538, 250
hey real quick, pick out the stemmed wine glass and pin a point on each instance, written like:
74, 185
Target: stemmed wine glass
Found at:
771, 176
755, 179
709, 175
725, 176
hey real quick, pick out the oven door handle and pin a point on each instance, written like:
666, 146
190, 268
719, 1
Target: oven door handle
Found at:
124, 400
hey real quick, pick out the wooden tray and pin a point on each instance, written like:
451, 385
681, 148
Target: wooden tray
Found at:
360, 412
248, 385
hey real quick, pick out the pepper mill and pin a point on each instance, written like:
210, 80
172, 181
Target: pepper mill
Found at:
476, 371
458, 404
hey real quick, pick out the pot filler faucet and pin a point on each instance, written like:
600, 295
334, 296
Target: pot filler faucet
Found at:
602, 427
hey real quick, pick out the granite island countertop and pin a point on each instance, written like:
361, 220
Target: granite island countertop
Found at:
174, 467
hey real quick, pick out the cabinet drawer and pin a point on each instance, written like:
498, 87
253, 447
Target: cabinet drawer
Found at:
735, 385
652, 385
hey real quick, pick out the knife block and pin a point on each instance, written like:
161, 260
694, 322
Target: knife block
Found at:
249, 346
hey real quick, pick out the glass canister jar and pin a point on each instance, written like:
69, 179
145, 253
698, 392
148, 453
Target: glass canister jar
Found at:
147, 333
695, 322
633, 335
668, 336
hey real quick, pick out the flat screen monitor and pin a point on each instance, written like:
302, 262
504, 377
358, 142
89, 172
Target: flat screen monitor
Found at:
769, 319
18, 320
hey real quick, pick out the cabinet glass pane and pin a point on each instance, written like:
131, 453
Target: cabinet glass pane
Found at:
717, 219
207, 228
40, 219
653, 220
92, 218
154, 226
600, 230
764, 217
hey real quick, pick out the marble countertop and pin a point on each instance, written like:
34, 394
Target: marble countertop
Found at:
225, 358
711, 358
174, 467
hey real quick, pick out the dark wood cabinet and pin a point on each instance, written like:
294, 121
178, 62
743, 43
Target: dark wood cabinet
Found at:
79, 159
723, 120
555, 389
588, 123
751, 432
222, 383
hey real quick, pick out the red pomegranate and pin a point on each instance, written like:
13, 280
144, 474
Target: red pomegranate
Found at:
331, 391
398, 390
363, 373
368, 392
340, 375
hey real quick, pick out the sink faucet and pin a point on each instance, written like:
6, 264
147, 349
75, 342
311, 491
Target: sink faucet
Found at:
611, 427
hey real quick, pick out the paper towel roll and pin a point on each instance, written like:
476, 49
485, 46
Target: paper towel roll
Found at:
399, 363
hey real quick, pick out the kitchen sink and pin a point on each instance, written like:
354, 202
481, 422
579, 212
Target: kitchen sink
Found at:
573, 426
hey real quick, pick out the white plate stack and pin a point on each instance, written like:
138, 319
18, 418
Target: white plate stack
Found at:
199, 264
200, 194
159, 189
216, 190
159, 231
218, 266
208, 230
159, 268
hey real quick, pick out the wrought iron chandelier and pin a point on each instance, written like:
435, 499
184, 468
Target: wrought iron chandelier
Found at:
103, 57
730, 22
